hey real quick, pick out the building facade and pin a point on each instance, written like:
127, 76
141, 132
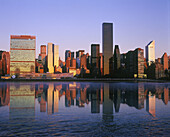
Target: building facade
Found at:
107, 34
95, 56
135, 63
150, 52
4, 63
52, 57
164, 61
116, 58
43, 54
22, 54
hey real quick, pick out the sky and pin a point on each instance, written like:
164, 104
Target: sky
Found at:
76, 24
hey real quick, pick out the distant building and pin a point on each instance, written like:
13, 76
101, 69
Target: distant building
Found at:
53, 57
79, 53
43, 54
83, 62
78, 62
95, 57
116, 58
67, 54
123, 60
135, 63
155, 71
22, 54
101, 63
107, 34
68, 63
72, 55
164, 61
88, 57
38, 67
169, 61
4, 63
150, 52
73, 63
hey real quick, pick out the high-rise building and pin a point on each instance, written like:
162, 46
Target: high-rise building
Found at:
169, 61
116, 58
135, 63
79, 53
67, 54
53, 57
101, 64
95, 58
83, 62
164, 61
4, 63
107, 45
72, 55
43, 54
22, 54
150, 52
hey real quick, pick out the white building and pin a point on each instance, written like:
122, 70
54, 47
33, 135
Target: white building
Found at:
150, 52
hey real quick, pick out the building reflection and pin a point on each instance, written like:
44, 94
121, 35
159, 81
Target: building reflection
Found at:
150, 104
4, 95
22, 101
134, 95
95, 100
21, 97
117, 99
107, 102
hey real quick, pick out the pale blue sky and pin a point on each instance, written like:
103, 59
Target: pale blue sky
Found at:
76, 24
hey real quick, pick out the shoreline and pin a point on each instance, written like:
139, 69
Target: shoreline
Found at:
86, 80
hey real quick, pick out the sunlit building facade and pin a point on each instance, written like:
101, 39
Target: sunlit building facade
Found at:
150, 52
107, 35
164, 61
52, 57
22, 54
4, 63
43, 54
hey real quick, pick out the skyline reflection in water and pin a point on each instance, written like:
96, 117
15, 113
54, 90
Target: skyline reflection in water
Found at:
108, 101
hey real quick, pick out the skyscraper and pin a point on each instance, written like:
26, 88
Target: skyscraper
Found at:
53, 57
150, 52
79, 53
107, 33
4, 63
43, 54
67, 54
116, 58
164, 61
22, 54
135, 63
95, 56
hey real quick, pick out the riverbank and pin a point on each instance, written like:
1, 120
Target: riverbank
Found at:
85, 80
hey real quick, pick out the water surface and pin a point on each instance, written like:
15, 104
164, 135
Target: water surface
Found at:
84, 109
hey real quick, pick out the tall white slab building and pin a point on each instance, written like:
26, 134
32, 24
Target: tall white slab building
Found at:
150, 52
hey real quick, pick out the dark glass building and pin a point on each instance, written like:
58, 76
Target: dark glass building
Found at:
107, 34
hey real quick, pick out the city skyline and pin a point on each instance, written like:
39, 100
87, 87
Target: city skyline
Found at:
71, 30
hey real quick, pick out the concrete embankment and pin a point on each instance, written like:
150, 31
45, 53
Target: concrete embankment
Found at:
85, 80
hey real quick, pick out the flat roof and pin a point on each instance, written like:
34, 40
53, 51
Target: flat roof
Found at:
22, 37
